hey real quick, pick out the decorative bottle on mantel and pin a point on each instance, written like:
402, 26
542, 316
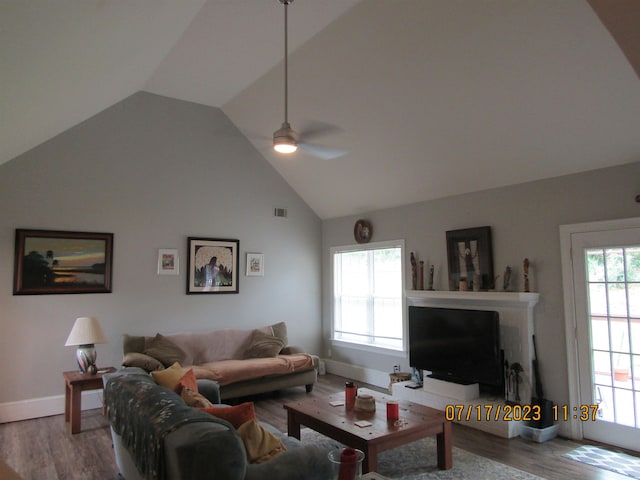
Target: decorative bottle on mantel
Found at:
414, 273
477, 282
421, 277
525, 268
431, 278
506, 279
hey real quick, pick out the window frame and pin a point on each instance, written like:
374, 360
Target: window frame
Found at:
362, 346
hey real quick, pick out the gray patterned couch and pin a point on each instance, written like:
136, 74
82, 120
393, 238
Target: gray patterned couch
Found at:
157, 436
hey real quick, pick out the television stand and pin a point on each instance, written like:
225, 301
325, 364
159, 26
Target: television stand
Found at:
456, 391
502, 426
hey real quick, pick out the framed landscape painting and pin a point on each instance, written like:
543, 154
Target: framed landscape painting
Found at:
213, 265
54, 262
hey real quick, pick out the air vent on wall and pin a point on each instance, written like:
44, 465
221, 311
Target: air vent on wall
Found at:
280, 212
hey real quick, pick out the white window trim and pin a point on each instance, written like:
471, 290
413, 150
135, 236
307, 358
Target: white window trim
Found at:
362, 346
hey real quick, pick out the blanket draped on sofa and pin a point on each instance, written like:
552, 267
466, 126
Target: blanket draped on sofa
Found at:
143, 420
229, 371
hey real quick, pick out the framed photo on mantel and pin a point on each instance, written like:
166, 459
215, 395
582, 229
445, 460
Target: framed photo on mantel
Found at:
470, 259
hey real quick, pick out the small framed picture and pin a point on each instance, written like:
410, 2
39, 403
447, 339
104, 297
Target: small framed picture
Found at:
168, 261
255, 264
213, 265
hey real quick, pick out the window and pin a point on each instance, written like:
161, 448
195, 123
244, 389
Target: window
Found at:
368, 295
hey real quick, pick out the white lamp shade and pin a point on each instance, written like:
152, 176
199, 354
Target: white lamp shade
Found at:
86, 331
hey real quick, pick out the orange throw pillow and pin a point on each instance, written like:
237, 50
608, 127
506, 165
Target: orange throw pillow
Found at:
188, 380
235, 415
195, 399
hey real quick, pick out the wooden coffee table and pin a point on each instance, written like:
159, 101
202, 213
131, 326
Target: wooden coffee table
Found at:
417, 421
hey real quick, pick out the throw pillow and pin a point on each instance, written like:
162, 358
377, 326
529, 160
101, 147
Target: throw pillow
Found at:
132, 343
263, 345
169, 377
236, 415
165, 350
188, 380
261, 445
195, 399
135, 359
280, 331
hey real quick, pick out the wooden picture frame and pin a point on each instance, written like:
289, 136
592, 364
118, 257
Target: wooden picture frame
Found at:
470, 259
213, 265
60, 262
255, 265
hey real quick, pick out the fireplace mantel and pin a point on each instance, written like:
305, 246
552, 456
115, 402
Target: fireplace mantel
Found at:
516, 321
490, 299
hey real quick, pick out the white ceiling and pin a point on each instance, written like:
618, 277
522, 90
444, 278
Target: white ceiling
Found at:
431, 98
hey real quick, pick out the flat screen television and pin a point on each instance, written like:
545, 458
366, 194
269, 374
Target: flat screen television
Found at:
457, 345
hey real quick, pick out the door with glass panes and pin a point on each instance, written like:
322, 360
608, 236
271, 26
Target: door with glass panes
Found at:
606, 274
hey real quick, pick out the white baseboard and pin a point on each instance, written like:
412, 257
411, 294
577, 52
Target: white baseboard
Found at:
45, 406
360, 374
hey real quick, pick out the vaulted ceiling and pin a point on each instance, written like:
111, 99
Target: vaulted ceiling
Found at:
429, 98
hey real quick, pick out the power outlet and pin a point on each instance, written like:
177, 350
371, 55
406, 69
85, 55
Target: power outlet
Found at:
396, 369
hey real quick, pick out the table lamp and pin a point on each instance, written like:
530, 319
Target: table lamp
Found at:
86, 332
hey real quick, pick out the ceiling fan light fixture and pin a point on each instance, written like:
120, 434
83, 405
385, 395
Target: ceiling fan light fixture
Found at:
285, 140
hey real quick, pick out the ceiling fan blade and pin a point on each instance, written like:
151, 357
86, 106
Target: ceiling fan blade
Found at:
316, 129
324, 153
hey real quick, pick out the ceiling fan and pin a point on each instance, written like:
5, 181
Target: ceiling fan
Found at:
286, 140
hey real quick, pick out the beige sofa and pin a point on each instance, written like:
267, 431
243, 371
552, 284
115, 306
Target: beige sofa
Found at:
242, 361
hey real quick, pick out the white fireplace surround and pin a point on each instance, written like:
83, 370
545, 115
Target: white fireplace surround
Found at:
516, 322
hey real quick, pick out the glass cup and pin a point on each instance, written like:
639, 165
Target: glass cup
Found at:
393, 410
346, 463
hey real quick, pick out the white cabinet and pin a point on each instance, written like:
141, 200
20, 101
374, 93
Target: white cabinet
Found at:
472, 413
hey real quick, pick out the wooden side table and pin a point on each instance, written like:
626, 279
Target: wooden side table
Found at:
75, 383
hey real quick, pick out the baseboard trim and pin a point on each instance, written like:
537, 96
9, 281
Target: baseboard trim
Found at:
44, 407
355, 372
47, 406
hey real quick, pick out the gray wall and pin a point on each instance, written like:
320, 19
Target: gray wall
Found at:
153, 171
525, 222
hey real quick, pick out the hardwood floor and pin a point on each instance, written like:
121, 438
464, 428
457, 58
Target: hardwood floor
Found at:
43, 448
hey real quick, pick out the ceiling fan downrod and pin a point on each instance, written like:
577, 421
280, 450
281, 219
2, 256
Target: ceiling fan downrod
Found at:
285, 139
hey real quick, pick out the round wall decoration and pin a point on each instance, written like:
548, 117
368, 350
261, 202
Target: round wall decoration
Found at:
362, 231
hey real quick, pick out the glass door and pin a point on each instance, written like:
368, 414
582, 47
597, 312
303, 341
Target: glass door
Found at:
606, 269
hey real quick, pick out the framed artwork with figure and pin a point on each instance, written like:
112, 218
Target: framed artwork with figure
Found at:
470, 259
213, 265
